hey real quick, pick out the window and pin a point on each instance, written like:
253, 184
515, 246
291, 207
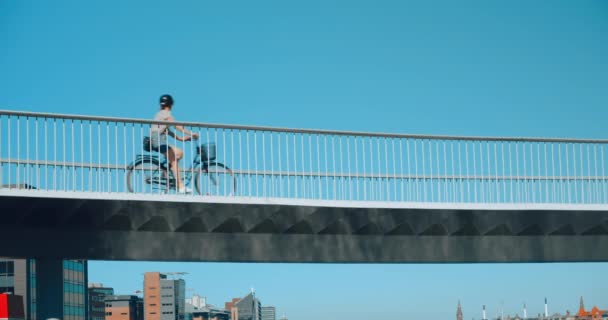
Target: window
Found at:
7, 268
123, 313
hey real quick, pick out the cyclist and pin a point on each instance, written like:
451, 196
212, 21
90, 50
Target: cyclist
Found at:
159, 140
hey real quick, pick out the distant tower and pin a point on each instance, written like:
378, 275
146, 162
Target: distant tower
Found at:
484, 313
546, 309
581, 309
459, 312
525, 312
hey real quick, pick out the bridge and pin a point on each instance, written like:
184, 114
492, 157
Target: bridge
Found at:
71, 189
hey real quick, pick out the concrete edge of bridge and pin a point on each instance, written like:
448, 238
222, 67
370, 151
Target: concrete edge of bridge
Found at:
191, 198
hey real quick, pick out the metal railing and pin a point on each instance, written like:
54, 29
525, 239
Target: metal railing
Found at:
69, 153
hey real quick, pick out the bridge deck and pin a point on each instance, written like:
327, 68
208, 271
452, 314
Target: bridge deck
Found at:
183, 228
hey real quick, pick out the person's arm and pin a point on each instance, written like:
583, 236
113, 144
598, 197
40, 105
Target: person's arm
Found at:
173, 135
183, 130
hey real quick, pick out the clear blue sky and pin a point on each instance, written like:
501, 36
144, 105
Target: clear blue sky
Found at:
513, 68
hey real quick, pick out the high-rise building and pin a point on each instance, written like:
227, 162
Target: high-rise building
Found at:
152, 295
164, 299
269, 313
51, 288
173, 299
123, 307
97, 295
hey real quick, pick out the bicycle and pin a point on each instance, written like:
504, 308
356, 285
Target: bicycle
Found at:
149, 174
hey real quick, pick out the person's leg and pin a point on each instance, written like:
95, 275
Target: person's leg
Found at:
170, 156
174, 155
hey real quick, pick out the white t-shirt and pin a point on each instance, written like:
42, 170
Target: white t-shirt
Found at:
160, 130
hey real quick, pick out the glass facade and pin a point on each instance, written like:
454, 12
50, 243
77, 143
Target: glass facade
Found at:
24, 270
249, 308
97, 296
74, 290
7, 276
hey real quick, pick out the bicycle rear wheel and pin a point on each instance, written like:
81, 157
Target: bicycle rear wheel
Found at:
216, 180
147, 177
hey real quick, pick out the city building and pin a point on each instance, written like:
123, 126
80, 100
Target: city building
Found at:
11, 307
164, 299
594, 314
123, 307
194, 304
197, 301
269, 313
97, 295
231, 308
231, 304
51, 288
18, 277
246, 308
209, 312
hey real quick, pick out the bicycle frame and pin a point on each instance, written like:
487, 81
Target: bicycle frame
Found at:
187, 175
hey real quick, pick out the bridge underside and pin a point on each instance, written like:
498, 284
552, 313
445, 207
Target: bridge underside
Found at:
47, 227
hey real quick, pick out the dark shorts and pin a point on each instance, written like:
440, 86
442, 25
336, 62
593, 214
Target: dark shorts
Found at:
163, 148
160, 144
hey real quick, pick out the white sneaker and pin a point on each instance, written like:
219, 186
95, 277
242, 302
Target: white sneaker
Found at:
184, 190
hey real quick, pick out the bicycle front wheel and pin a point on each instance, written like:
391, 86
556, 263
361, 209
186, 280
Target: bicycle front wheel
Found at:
147, 177
215, 180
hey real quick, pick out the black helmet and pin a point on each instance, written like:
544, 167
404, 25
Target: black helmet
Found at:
166, 100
